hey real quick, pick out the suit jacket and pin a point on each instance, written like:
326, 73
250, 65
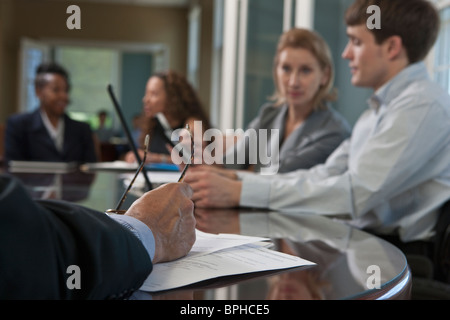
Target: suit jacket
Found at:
39, 241
308, 145
27, 139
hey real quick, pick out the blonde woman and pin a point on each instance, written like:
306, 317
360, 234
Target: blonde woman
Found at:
309, 129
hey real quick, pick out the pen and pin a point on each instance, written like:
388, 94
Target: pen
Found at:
183, 173
124, 196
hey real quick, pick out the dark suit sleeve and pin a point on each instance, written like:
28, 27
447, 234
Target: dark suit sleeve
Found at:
15, 144
79, 142
39, 241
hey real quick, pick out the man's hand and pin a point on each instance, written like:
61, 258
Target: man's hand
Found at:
169, 212
213, 188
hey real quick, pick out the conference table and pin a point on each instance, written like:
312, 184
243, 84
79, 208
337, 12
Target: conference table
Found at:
349, 263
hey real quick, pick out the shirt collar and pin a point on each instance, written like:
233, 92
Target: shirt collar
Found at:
57, 134
385, 94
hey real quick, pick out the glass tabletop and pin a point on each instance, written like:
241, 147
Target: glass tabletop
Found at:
350, 263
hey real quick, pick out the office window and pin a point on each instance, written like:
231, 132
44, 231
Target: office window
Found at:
193, 58
217, 60
264, 26
90, 70
35, 57
250, 32
244, 55
32, 54
92, 66
441, 67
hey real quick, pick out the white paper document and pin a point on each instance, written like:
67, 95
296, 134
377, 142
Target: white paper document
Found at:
206, 243
109, 165
214, 256
155, 177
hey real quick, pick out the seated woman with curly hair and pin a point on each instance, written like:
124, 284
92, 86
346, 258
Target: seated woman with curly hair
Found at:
170, 94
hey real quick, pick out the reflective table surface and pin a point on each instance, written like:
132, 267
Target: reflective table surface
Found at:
350, 263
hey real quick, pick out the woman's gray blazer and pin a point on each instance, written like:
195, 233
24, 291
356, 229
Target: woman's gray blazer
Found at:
308, 145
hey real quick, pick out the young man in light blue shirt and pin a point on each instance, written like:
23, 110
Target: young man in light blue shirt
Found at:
393, 174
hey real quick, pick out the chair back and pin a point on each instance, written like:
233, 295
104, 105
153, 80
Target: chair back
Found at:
2, 142
442, 245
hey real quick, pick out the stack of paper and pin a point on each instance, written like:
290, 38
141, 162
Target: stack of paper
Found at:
214, 256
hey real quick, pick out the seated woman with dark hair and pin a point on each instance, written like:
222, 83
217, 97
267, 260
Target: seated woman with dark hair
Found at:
170, 94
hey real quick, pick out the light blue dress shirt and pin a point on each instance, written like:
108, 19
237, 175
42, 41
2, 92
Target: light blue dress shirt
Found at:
391, 176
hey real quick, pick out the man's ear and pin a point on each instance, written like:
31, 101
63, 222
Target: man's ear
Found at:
394, 47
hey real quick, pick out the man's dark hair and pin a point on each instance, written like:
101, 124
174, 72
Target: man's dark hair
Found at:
53, 68
416, 22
